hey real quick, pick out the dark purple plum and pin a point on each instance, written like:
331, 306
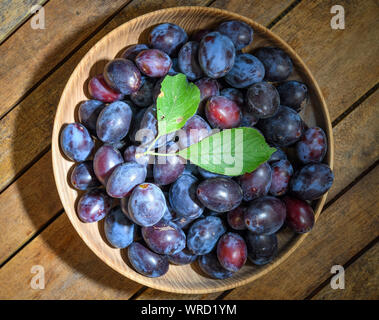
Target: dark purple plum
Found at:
210, 265
149, 129
279, 154
234, 95
147, 204
261, 249
113, 122
144, 96
208, 87
93, 206
146, 262
265, 215
76, 142
153, 63
195, 130
203, 234
312, 181
207, 174
118, 229
262, 100
188, 61
169, 214
168, 168
248, 119
216, 54
183, 257
124, 178
183, 197
174, 70
165, 237
239, 32
282, 172
219, 194
236, 218
184, 222
312, 146
246, 70
278, 64
168, 37
222, 113
83, 177
100, 90
132, 51
198, 35
105, 160
293, 94
257, 183
88, 112
191, 169
232, 251
283, 129
131, 152
122, 75
135, 125
300, 215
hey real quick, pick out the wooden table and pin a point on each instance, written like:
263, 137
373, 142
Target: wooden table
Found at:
34, 67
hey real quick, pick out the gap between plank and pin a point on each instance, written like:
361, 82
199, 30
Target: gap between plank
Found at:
273, 23
51, 220
27, 18
345, 266
349, 110
65, 59
356, 256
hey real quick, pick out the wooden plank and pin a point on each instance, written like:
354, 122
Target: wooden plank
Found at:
361, 280
22, 197
14, 13
355, 143
23, 140
27, 205
342, 230
46, 48
354, 153
263, 12
352, 144
344, 62
72, 270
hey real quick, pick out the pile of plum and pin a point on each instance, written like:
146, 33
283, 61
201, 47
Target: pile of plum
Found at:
173, 211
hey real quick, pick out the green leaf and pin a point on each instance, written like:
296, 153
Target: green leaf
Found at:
176, 103
231, 152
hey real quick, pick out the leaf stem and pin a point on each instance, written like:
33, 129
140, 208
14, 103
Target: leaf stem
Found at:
161, 154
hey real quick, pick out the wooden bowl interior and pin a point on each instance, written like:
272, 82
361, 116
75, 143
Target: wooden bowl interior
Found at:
179, 279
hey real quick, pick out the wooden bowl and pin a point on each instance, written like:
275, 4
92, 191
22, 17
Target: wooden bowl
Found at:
179, 279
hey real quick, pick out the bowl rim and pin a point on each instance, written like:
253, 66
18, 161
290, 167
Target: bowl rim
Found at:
146, 281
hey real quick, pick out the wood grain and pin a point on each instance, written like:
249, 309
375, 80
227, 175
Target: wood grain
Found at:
29, 214
13, 13
27, 205
72, 271
361, 280
46, 48
181, 279
21, 141
344, 62
263, 12
356, 147
342, 230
